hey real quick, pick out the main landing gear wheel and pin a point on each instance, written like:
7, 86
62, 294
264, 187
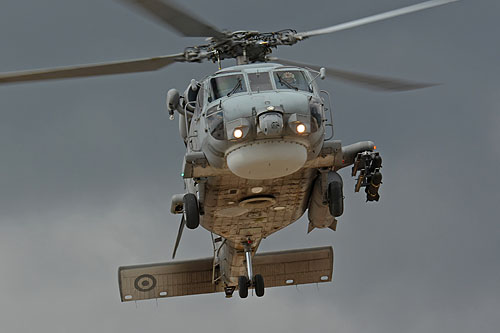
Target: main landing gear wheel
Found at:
259, 285
243, 286
335, 199
191, 211
244, 283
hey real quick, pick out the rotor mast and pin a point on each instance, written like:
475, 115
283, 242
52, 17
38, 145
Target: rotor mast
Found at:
242, 59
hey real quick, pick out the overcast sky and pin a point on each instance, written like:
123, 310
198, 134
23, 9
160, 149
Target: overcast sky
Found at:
88, 167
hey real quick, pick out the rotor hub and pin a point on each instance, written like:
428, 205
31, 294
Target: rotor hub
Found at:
246, 46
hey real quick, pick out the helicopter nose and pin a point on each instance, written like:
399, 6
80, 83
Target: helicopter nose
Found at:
266, 159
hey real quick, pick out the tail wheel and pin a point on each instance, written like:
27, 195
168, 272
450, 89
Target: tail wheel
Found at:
243, 286
191, 211
259, 285
335, 199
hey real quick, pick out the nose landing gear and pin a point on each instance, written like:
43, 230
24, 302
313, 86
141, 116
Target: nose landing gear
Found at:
245, 282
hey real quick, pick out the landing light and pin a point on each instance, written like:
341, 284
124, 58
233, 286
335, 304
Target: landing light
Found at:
238, 133
257, 189
301, 128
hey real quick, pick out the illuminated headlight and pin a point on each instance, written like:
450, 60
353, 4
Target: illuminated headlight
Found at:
237, 129
238, 133
300, 123
301, 128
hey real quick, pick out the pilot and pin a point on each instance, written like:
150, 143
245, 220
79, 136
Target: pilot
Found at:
289, 77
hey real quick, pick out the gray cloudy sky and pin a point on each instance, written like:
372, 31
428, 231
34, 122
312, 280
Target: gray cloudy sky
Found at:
87, 169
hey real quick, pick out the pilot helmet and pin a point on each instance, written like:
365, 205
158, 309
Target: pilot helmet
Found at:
289, 77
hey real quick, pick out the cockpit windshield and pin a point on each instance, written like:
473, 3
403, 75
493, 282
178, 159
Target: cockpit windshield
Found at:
259, 81
292, 79
227, 85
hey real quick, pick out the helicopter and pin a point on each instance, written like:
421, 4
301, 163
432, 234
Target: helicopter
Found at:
259, 154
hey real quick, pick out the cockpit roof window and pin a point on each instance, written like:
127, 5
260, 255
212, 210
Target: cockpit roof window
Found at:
227, 85
291, 79
259, 81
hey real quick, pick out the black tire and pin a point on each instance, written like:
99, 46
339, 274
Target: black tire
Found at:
191, 211
259, 285
243, 286
335, 199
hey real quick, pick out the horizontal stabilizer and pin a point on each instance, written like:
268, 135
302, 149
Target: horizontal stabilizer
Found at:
170, 279
294, 267
193, 277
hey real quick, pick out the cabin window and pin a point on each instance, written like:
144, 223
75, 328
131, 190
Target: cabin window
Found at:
316, 116
215, 123
227, 85
292, 79
259, 81
200, 98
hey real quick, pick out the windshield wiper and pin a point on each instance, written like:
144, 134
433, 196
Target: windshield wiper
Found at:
236, 87
288, 84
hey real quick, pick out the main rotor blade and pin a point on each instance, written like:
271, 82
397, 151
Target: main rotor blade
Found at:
180, 19
119, 67
375, 18
179, 235
366, 80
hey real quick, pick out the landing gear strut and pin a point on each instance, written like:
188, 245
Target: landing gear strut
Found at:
244, 282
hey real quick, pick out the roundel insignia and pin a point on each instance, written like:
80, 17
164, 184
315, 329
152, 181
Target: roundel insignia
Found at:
145, 282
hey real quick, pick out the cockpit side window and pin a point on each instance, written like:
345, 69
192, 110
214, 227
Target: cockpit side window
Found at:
291, 79
259, 81
200, 98
227, 85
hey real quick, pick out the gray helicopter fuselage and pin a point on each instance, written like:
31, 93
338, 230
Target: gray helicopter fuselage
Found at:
257, 181
261, 185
